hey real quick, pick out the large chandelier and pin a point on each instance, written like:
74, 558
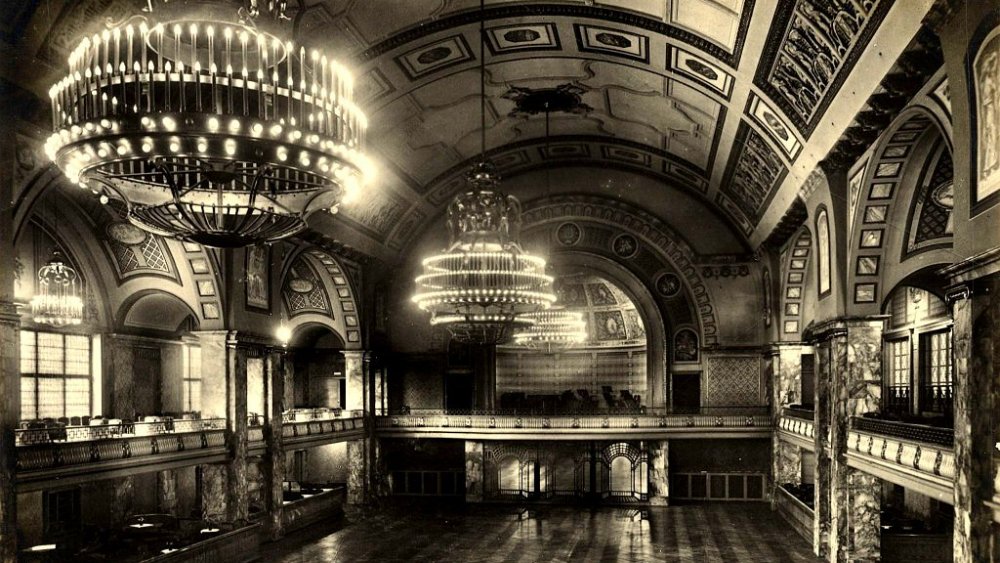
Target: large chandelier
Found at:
484, 283
57, 301
211, 128
553, 329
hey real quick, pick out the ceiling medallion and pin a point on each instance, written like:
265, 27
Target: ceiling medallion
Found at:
484, 283
209, 126
58, 301
552, 330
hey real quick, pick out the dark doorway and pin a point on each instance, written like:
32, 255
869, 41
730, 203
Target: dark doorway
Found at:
686, 392
458, 391
808, 379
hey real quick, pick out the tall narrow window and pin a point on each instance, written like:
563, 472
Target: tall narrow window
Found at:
936, 371
192, 379
56, 378
823, 251
898, 392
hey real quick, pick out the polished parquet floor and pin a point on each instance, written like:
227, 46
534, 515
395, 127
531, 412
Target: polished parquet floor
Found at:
698, 533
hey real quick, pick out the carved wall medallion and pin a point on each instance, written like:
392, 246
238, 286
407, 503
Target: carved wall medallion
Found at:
568, 234
625, 246
668, 285
125, 233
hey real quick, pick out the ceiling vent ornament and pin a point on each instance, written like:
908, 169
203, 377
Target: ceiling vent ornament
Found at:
58, 300
208, 125
553, 330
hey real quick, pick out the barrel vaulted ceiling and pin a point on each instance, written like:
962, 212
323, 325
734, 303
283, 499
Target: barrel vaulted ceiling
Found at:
728, 104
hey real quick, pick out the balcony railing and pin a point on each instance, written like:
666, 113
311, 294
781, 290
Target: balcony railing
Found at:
912, 455
728, 418
914, 432
61, 447
799, 413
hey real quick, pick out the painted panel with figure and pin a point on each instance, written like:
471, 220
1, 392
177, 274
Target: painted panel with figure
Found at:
258, 282
987, 105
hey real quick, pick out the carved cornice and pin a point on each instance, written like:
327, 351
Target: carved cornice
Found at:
839, 326
972, 268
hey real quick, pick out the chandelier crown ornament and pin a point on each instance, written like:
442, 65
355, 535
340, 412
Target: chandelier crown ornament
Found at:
58, 300
208, 125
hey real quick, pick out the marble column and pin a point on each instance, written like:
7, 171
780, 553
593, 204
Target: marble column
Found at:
659, 483
166, 491
787, 464
821, 446
474, 471
851, 358
786, 388
354, 373
975, 315
357, 471
122, 405
122, 500
225, 396
274, 460
120, 378
10, 414
214, 504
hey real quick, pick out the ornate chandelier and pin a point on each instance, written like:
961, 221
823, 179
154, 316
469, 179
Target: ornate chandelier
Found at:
484, 283
211, 129
58, 300
552, 329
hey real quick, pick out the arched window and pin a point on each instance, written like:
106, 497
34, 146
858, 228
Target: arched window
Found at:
823, 251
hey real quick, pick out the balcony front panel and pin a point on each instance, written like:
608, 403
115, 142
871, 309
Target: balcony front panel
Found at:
797, 430
438, 424
917, 457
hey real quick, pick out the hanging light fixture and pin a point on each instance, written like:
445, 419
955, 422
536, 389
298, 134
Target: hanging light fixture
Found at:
211, 128
552, 330
484, 282
58, 300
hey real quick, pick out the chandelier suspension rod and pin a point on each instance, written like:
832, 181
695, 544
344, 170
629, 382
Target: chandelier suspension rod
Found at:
482, 79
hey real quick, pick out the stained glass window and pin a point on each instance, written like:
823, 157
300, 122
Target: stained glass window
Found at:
55, 375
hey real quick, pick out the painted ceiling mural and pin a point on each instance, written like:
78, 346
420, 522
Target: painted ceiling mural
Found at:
673, 90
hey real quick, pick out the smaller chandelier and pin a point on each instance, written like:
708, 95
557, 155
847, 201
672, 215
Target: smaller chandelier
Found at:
552, 329
58, 301
484, 283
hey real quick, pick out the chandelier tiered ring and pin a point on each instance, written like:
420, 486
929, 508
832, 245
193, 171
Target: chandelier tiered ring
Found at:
484, 283
212, 130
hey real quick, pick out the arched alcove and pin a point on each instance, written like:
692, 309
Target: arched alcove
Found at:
316, 354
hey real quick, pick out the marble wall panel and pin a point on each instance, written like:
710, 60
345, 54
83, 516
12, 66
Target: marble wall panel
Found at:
356, 471
474, 472
659, 488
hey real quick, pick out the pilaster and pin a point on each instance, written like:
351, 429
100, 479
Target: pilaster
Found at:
354, 373
10, 414
975, 315
166, 491
274, 459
